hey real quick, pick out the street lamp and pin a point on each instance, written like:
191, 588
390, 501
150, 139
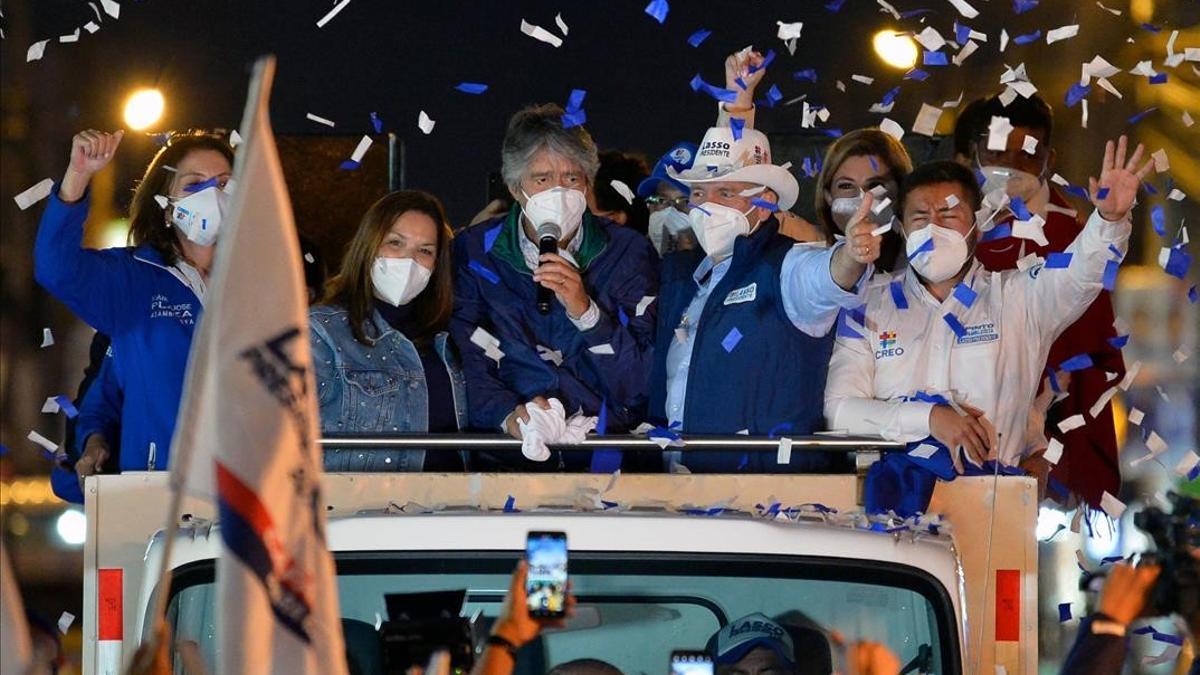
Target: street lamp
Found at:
895, 49
143, 108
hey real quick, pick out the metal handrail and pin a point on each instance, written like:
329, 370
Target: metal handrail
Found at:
626, 442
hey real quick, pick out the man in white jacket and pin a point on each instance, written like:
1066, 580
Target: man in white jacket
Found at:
948, 350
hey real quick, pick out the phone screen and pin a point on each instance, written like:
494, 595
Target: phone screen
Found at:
691, 663
546, 586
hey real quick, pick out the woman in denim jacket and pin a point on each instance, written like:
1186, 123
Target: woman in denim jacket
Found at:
383, 362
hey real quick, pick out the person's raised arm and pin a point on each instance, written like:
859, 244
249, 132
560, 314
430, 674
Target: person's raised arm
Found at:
91, 283
1056, 297
817, 282
743, 71
514, 628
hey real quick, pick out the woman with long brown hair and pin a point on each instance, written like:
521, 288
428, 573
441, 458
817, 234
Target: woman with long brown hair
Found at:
380, 350
855, 164
148, 296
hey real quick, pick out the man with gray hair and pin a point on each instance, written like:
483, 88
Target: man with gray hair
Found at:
534, 357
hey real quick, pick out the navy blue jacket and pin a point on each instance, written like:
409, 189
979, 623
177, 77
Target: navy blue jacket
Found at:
772, 382
494, 290
130, 294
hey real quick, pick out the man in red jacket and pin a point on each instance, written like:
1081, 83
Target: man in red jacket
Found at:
1088, 466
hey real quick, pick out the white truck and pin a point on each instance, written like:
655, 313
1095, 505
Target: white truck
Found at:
658, 562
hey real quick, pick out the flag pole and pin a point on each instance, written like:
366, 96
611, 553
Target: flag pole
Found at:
263, 76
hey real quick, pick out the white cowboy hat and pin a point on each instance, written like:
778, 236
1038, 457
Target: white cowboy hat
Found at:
721, 157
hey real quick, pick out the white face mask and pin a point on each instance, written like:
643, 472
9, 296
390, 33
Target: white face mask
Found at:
949, 254
198, 215
398, 280
1013, 182
672, 220
562, 206
718, 228
843, 208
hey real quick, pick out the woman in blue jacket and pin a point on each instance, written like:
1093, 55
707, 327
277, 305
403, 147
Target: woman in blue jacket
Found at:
379, 343
148, 296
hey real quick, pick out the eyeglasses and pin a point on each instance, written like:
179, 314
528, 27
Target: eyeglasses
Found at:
656, 203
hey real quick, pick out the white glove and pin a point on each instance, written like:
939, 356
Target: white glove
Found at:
577, 429
544, 427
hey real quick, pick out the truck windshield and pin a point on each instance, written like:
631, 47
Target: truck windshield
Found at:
633, 609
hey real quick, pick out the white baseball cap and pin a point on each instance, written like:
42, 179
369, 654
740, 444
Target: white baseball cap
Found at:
733, 642
747, 159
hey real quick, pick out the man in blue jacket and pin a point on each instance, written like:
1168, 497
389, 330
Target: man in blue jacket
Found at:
744, 325
593, 349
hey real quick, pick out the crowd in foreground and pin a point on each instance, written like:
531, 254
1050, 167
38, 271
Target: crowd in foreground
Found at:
940, 305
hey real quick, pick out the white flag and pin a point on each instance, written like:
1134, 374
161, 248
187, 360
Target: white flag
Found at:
15, 652
247, 431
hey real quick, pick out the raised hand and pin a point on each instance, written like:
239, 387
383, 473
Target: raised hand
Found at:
91, 151
861, 244
738, 65
1119, 180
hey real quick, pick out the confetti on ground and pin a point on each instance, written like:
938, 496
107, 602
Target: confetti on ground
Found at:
35, 194
320, 120
332, 13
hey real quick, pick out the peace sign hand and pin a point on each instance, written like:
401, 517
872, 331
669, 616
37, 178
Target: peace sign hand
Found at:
1119, 181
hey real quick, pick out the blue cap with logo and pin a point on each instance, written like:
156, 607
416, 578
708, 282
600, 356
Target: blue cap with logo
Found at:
733, 642
679, 158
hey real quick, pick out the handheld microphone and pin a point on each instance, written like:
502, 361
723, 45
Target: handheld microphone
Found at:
547, 236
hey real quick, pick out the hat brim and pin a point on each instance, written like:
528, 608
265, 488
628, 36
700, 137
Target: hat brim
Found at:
776, 178
649, 185
740, 651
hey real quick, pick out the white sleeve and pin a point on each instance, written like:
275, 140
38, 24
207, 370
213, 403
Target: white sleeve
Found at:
811, 297
1054, 298
850, 402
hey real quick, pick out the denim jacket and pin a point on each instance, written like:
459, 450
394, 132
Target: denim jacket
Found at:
374, 390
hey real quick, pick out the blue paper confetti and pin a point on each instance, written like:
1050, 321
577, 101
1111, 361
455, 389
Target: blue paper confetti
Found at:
1178, 263
349, 165
732, 338
196, 187
925, 397
726, 95
961, 33
897, 288
934, 59
1052, 376
779, 429
1058, 261
695, 39
1149, 187
510, 505
765, 204
1159, 219
478, 268
658, 9
1176, 640
1138, 117
376, 123
1077, 191
1119, 341
1019, 209
1076, 93
767, 60
834, 5
489, 237
622, 316
1160, 78
773, 96
1193, 295
1064, 612
1110, 275
471, 87
1022, 6
741, 83
736, 125
890, 95
1151, 28
67, 406
955, 325
917, 75
1102, 193
1028, 37
927, 246
574, 114
965, 294
806, 75
1077, 362
914, 12
998, 232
